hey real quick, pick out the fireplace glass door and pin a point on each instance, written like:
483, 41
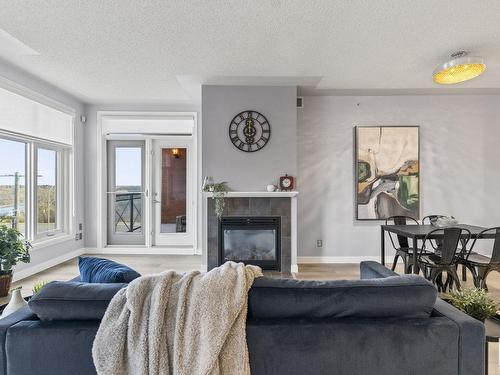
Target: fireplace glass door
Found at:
251, 240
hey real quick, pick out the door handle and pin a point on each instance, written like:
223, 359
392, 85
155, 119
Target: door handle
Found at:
156, 201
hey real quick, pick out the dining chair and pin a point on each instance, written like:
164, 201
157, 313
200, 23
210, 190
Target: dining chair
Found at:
436, 244
429, 220
400, 243
480, 265
433, 265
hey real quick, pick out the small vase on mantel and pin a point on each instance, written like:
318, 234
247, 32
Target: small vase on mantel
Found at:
16, 302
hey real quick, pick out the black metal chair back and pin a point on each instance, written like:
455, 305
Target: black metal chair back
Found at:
402, 241
452, 236
495, 253
428, 220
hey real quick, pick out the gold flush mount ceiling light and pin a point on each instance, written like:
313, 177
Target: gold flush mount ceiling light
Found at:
460, 68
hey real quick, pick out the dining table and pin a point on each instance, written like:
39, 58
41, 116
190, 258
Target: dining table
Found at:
420, 232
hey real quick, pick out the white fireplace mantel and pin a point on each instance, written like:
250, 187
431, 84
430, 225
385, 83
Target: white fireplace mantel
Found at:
273, 194
256, 194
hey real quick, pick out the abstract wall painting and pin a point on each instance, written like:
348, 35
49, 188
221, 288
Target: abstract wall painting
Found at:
387, 172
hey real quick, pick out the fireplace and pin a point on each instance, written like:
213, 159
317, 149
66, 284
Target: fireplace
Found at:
251, 240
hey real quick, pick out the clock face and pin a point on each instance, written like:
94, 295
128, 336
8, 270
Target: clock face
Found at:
286, 182
249, 131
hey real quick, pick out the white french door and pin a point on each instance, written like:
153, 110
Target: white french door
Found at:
151, 194
173, 192
126, 193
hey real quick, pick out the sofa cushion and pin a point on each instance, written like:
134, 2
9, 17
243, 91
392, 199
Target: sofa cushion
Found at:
408, 296
374, 270
66, 300
99, 270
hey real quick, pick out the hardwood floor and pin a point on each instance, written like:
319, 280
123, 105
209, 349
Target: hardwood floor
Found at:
150, 264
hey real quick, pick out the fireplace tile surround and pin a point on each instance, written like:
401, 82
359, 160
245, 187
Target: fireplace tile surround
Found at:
255, 204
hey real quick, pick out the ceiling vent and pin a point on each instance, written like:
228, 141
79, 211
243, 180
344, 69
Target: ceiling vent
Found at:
300, 102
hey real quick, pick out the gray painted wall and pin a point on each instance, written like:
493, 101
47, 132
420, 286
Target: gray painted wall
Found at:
460, 138
245, 171
8, 71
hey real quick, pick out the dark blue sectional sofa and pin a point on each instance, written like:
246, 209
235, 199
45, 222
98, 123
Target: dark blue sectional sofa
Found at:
383, 324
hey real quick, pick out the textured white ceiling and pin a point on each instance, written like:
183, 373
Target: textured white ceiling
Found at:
146, 51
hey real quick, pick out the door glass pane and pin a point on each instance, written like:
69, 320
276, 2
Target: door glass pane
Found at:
12, 183
46, 190
128, 188
173, 190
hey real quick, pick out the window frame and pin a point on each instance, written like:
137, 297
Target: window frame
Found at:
59, 221
64, 189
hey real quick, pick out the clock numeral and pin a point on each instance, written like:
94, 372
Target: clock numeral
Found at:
264, 139
265, 131
234, 131
249, 147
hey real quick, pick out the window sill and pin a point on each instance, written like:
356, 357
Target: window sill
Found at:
57, 239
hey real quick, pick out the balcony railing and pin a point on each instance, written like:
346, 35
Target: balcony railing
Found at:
128, 212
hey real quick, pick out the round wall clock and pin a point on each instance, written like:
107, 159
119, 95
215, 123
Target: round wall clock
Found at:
249, 131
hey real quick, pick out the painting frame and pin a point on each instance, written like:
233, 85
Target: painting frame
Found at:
357, 128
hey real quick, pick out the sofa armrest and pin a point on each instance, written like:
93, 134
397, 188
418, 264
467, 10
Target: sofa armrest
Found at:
22, 314
471, 340
374, 270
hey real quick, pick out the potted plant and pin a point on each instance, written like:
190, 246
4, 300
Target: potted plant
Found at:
13, 249
474, 302
218, 190
38, 286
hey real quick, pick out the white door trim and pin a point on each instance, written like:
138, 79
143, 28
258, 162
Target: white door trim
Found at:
101, 201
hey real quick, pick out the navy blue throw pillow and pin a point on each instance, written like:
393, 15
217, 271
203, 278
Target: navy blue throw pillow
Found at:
99, 270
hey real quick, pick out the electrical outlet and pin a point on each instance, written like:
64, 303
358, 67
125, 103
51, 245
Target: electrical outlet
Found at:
319, 243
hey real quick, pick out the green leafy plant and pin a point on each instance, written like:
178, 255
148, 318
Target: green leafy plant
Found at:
38, 286
218, 190
13, 249
474, 302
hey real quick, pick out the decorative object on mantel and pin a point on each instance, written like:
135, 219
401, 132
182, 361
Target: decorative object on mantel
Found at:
16, 302
270, 188
249, 131
474, 302
218, 190
287, 183
443, 222
387, 172
13, 249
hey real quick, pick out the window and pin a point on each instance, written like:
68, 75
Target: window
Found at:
12, 183
34, 194
36, 166
46, 191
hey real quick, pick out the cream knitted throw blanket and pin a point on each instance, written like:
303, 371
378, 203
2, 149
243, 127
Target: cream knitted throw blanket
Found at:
178, 324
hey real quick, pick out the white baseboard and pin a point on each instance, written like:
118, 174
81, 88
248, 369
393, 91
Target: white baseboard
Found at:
140, 251
35, 268
340, 259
